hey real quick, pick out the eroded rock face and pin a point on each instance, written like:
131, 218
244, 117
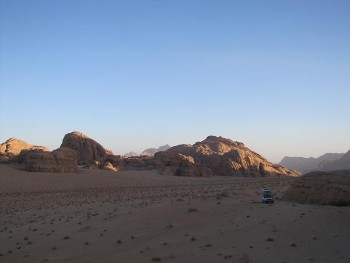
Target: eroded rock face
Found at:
325, 188
88, 150
13, 148
61, 160
220, 156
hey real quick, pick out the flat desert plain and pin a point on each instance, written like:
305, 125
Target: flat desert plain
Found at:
143, 216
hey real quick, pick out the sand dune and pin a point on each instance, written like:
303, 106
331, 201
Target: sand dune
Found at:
99, 216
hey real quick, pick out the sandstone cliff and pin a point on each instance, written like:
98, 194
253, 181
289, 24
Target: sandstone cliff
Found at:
61, 160
219, 156
88, 150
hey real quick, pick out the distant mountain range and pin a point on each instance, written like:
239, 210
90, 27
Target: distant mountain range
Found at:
153, 151
130, 154
148, 152
339, 164
326, 162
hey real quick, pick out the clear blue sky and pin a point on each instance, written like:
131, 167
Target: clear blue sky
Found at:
137, 74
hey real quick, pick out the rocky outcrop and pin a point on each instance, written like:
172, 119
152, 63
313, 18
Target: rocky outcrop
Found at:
325, 188
305, 165
88, 150
219, 156
61, 160
13, 148
152, 151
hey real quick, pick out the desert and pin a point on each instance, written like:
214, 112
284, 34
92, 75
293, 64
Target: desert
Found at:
174, 131
144, 216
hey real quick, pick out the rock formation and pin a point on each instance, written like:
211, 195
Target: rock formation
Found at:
88, 150
61, 160
326, 188
305, 165
153, 151
13, 148
219, 156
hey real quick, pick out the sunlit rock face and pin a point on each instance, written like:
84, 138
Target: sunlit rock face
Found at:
219, 156
13, 150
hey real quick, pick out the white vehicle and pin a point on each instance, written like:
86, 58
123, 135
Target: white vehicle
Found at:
266, 196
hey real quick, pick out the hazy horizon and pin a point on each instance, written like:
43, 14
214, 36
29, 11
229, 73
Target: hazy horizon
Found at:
274, 75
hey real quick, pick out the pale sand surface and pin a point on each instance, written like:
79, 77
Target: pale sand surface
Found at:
142, 216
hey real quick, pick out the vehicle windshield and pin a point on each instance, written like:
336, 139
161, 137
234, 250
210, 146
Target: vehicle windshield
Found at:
267, 196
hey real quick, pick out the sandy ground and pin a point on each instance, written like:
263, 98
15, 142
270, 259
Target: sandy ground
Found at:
142, 216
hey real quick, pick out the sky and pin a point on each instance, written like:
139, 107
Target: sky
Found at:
272, 74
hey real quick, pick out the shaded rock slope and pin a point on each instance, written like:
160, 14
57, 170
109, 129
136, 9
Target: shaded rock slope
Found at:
61, 160
325, 188
88, 150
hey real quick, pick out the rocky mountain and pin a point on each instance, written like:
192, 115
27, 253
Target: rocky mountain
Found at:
304, 165
218, 156
339, 164
153, 151
61, 160
88, 150
326, 188
13, 148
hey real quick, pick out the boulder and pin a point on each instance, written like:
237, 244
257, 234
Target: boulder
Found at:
88, 150
61, 160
